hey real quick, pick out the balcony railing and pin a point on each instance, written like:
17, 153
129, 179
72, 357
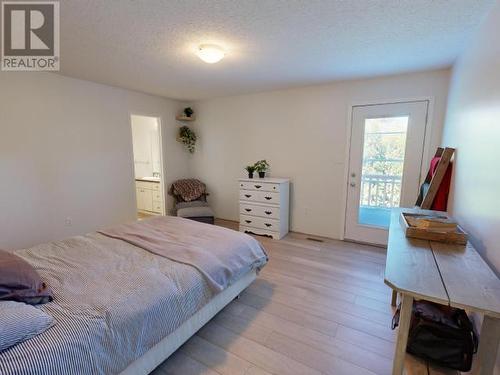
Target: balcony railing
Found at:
380, 191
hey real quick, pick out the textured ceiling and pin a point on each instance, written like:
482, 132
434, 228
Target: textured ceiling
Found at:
148, 45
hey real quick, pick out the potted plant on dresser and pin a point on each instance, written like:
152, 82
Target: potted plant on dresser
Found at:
250, 169
261, 167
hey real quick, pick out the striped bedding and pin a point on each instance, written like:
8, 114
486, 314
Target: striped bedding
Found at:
113, 301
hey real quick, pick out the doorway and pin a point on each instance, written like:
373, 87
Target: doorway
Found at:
385, 160
148, 166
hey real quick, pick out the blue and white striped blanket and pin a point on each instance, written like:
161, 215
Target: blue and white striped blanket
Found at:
112, 302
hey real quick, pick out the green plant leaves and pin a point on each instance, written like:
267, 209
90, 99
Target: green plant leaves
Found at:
261, 166
188, 138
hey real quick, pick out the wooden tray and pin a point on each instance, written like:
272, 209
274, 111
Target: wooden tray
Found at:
458, 237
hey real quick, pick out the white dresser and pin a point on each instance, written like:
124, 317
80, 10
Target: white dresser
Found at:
264, 206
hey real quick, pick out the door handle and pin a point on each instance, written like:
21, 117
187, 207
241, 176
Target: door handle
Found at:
268, 225
248, 221
268, 212
258, 186
248, 209
268, 198
248, 195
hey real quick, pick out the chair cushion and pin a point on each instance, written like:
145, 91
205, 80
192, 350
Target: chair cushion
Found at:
191, 204
203, 211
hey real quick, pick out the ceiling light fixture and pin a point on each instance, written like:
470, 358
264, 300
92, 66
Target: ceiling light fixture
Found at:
210, 53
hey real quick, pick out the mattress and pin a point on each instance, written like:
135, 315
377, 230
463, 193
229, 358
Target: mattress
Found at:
113, 303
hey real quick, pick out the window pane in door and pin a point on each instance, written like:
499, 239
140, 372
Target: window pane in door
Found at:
382, 171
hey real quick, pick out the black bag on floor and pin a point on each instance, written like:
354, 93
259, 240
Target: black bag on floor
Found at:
440, 334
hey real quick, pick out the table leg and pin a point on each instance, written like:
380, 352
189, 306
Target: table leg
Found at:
488, 346
404, 327
394, 299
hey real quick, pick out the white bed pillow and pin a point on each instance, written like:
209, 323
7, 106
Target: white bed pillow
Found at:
20, 322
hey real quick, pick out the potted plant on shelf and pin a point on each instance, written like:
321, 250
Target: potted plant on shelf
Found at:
262, 166
188, 138
250, 169
188, 111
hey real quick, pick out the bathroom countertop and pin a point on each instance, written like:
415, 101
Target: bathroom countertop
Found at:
148, 179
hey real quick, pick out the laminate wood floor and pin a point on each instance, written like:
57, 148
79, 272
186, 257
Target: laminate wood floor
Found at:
143, 215
316, 308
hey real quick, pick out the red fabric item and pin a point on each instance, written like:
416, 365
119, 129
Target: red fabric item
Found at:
441, 199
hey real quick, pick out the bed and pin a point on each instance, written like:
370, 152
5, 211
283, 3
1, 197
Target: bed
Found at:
122, 309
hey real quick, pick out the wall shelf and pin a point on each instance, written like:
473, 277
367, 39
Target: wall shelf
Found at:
185, 118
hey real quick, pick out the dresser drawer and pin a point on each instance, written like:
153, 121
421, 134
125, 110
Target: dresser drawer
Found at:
257, 185
260, 222
261, 232
260, 196
262, 211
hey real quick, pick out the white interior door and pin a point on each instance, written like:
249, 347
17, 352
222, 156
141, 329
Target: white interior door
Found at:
385, 160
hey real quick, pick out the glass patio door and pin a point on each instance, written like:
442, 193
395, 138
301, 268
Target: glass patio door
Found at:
385, 159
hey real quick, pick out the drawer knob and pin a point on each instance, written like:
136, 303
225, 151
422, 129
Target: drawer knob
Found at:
248, 195
268, 225
268, 198
248, 221
258, 186
241, 185
248, 209
274, 187
268, 212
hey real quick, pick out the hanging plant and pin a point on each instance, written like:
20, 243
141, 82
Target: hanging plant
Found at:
188, 138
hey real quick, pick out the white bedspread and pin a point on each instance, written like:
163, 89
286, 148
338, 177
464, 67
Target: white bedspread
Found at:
222, 255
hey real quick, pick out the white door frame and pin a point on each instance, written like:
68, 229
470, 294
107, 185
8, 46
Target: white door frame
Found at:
425, 155
160, 135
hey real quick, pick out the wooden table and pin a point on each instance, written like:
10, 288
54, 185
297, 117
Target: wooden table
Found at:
448, 274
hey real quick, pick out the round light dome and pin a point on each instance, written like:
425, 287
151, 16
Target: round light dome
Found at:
210, 53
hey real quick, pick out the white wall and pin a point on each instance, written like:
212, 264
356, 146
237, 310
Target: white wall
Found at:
66, 151
473, 127
302, 133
